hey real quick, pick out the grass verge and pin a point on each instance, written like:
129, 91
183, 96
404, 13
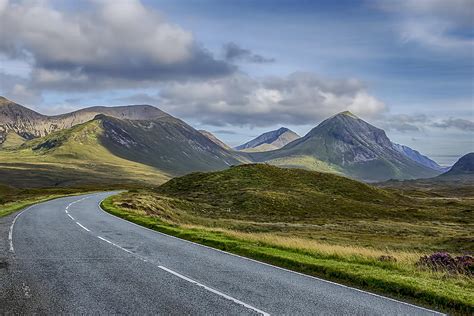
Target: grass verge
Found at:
13, 199
421, 287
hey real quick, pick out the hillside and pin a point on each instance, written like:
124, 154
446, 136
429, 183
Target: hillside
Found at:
463, 167
110, 150
261, 198
214, 139
347, 144
262, 192
418, 157
269, 141
72, 157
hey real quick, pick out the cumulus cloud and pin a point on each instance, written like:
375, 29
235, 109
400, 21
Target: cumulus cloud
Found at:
300, 98
435, 23
233, 53
105, 43
456, 123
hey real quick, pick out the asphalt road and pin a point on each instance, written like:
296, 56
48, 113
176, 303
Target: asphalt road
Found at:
69, 256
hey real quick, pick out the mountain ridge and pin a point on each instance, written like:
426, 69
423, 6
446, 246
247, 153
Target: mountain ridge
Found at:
353, 146
30, 124
270, 140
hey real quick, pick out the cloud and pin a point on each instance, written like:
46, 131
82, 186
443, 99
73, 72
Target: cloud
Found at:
437, 24
456, 123
233, 53
16, 89
421, 122
103, 44
404, 122
225, 132
300, 98
139, 98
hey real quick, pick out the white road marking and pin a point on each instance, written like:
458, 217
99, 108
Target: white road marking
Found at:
113, 244
230, 298
71, 217
191, 280
10, 232
270, 265
82, 226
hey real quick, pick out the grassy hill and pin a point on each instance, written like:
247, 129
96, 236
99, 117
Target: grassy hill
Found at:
319, 206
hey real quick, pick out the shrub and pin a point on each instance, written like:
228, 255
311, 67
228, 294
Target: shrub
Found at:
444, 262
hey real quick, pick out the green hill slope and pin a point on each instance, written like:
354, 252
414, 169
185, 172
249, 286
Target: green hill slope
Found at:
72, 157
264, 192
113, 151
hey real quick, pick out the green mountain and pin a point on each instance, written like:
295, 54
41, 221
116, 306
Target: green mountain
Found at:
112, 150
28, 124
346, 144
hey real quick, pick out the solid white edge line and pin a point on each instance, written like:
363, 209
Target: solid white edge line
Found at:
270, 265
10, 231
82, 226
230, 298
71, 217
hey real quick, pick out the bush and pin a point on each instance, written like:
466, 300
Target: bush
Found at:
444, 262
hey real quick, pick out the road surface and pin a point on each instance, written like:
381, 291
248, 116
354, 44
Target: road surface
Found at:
69, 256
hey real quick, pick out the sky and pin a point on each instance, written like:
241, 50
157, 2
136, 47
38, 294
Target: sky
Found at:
241, 68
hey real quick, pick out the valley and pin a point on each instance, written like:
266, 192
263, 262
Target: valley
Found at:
342, 202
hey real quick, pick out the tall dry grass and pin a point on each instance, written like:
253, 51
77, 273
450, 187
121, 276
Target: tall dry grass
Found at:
316, 247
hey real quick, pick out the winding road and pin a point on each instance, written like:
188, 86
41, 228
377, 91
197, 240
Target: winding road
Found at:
69, 256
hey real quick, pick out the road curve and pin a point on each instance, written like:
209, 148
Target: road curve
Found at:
69, 256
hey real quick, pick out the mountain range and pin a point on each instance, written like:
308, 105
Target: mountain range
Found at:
348, 145
142, 143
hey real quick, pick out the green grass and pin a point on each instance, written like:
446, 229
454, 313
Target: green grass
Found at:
14, 199
394, 279
311, 205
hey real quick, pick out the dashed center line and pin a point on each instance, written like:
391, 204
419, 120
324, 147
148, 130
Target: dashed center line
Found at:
113, 244
82, 226
230, 298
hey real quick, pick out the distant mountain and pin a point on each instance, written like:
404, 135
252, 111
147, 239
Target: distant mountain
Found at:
421, 159
270, 140
29, 124
214, 139
346, 144
464, 166
138, 144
